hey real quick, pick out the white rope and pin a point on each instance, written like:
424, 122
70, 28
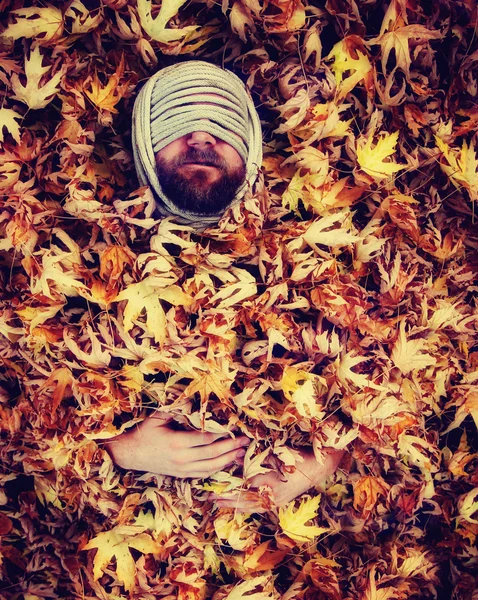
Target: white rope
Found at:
187, 97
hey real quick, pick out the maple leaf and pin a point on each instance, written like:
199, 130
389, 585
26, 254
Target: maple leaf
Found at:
107, 97
373, 410
247, 590
300, 388
253, 464
346, 375
35, 316
207, 382
367, 490
84, 19
44, 23
468, 506
409, 355
113, 261
462, 168
156, 27
260, 558
288, 16
313, 45
244, 287
117, 543
325, 231
293, 522
372, 158
97, 357
418, 452
294, 111
235, 529
33, 94
402, 214
347, 58
241, 18
398, 41
7, 120
467, 405
146, 296
61, 379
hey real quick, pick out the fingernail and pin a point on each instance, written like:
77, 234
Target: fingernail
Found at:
240, 454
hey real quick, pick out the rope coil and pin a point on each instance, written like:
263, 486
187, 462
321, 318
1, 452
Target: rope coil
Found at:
187, 97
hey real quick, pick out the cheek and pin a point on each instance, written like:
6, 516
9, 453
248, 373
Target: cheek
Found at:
233, 158
171, 151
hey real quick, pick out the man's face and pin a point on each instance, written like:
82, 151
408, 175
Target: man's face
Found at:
200, 173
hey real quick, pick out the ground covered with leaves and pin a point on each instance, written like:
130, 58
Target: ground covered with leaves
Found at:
334, 308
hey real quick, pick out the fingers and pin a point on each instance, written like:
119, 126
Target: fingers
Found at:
200, 438
223, 447
218, 463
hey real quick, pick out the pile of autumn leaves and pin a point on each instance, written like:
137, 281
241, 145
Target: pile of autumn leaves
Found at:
333, 308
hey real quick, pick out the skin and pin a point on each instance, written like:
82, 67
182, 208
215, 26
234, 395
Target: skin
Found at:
202, 140
200, 173
155, 447
308, 473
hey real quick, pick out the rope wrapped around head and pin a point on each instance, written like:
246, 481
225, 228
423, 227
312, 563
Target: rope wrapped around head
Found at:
187, 97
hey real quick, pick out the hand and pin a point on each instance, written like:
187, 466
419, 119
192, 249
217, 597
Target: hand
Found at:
308, 473
155, 447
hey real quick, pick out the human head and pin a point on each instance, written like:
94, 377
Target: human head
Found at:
190, 113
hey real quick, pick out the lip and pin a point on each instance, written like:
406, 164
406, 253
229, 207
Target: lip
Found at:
198, 164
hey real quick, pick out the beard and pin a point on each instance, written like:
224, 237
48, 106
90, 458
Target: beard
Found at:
193, 191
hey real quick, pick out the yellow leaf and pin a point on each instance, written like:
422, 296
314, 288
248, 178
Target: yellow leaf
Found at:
107, 97
33, 94
234, 293
300, 388
222, 482
467, 406
156, 27
234, 528
462, 168
7, 120
468, 506
314, 160
84, 19
38, 315
345, 62
252, 464
117, 543
247, 590
371, 159
293, 522
146, 296
346, 375
409, 355
415, 563
33, 22
333, 231
294, 192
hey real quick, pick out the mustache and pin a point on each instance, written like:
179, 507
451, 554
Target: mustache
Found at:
205, 157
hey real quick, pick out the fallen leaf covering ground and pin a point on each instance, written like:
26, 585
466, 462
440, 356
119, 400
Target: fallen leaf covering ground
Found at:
335, 308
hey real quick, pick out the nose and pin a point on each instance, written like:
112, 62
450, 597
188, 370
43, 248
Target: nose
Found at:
201, 140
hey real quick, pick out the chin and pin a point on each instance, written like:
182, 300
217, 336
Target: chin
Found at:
201, 177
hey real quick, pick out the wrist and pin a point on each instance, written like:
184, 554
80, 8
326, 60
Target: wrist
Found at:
119, 448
